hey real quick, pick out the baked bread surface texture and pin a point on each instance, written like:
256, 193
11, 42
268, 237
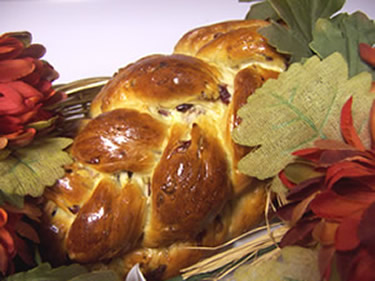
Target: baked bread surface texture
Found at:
155, 171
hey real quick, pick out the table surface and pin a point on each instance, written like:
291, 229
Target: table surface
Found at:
87, 38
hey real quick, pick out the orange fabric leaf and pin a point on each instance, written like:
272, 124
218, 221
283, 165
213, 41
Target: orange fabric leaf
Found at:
347, 128
3, 217
367, 53
325, 232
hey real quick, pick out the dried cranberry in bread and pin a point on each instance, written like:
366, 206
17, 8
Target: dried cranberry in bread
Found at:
155, 170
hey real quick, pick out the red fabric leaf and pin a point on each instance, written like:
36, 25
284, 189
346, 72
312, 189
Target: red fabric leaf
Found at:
326, 255
347, 233
17, 97
3, 217
285, 180
312, 154
332, 206
11, 70
329, 157
299, 234
347, 128
367, 53
346, 170
23, 138
306, 188
10, 48
7, 241
35, 51
372, 124
366, 230
285, 212
328, 144
355, 190
4, 260
360, 268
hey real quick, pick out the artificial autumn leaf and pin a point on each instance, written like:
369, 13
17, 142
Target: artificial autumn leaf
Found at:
28, 170
262, 11
343, 34
366, 230
300, 17
301, 106
347, 129
292, 263
73, 272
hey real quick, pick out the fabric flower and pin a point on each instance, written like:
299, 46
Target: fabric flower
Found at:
13, 231
334, 205
25, 88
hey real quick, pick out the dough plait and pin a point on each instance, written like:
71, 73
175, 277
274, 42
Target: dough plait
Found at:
155, 171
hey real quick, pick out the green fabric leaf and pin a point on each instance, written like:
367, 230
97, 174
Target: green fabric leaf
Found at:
292, 263
106, 275
262, 11
45, 272
28, 170
300, 17
12, 199
343, 34
301, 106
73, 272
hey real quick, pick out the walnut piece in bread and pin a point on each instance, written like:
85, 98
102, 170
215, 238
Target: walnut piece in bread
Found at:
155, 169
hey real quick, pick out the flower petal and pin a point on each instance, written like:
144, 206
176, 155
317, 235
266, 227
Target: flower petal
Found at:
11, 70
347, 127
3, 217
4, 260
9, 48
35, 51
347, 233
372, 123
367, 53
332, 206
324, 232
366, 230
299, 234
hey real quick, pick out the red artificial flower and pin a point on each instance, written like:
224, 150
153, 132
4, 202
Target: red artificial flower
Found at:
25, 87
335, 209
13, 231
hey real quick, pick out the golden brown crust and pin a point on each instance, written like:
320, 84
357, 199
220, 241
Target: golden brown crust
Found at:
159, 79
198, 38
156, 167
109, 223
192, 179
120, 140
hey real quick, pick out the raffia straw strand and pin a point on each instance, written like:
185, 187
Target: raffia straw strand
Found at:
234, 254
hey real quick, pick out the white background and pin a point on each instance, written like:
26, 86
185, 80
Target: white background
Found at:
86, 38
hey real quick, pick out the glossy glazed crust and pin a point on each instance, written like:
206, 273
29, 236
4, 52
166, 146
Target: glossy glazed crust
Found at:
159, 80
156, 167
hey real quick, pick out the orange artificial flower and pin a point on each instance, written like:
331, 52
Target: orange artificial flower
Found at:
25, 87
336, 208
13, 232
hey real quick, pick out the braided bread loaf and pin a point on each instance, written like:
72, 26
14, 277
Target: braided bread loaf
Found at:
155, 169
